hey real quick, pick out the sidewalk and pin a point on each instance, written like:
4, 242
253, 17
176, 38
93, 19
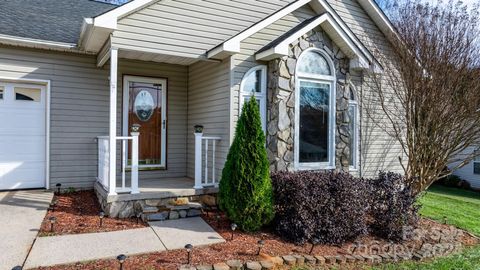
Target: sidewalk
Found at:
22, 215
170, 234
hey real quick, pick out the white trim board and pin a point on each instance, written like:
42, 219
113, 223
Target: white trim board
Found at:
47, 85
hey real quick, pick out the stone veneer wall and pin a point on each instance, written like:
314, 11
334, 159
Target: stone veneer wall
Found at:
281, 102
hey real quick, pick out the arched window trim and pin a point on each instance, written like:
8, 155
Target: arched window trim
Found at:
356, 140
328, 79
261, 96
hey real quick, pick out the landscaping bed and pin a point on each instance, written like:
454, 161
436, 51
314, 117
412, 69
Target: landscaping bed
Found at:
78, 212
244, 247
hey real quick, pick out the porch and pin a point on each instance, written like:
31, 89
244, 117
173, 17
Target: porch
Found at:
155, 153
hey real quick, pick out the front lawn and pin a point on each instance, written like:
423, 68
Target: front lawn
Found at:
461, 207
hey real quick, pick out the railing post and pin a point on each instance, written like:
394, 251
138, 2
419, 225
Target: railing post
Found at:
112, 177
198, 160
135, 162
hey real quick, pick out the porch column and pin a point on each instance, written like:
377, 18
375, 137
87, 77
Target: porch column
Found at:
112, 177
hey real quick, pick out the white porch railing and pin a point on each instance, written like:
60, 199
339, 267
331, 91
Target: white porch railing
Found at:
104, 163
202, 176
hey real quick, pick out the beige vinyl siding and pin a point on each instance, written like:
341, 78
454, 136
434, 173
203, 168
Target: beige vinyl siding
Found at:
209, 105
78, 108
379, 150
246, 58
189, 28
176, 77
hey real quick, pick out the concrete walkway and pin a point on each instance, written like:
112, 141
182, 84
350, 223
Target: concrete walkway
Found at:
22, 213
170, 234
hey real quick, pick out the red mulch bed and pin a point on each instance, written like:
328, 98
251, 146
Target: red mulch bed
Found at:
243, 247
78, 212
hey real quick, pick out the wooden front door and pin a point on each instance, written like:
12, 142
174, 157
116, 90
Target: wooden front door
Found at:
145, 105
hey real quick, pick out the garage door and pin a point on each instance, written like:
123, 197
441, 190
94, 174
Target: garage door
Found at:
22, 136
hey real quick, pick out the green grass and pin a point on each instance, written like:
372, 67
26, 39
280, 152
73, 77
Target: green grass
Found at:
461, 207
469, 259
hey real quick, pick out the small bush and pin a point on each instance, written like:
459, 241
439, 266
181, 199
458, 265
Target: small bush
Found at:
392, 206
326, 206
245, 189
450, 181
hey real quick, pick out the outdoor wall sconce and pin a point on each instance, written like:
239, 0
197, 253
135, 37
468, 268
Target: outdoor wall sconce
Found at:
189, 248
198, 128
101, 215
52, 221
233, 227
121, 259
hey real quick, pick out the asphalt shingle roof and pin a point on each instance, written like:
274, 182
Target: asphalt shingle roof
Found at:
52, 20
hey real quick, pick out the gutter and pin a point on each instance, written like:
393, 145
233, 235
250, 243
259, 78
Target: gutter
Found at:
40, 44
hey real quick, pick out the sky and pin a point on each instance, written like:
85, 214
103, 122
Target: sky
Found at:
383, 3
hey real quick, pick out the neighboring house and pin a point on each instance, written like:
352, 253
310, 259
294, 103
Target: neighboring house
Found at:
471, 171
77, 76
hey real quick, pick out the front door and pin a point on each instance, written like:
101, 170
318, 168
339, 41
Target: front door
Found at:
145, 105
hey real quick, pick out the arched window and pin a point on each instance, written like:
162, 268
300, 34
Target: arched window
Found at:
254, 83
353, 128
315, 111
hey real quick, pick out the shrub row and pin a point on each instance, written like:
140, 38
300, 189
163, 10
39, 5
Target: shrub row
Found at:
332, 208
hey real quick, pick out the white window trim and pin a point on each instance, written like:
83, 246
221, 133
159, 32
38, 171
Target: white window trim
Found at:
163, 82
356, 155
262, 96
332, 115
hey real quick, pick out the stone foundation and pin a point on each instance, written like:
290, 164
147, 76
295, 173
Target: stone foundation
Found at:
281, 102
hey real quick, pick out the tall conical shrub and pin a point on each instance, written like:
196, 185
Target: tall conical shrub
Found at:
245, 189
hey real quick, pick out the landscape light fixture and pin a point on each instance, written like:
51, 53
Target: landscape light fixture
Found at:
218, 220
233, 227
101, 215
58, 185
139, 215
314, 244
53, 204
18, 267
189, 248
260, 243
121, 259
52, 221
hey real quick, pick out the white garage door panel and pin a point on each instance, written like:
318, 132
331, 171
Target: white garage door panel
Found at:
22, 136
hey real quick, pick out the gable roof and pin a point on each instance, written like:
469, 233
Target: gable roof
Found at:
280, 46
50, 20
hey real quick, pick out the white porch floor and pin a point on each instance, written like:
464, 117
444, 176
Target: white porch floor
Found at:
159, 189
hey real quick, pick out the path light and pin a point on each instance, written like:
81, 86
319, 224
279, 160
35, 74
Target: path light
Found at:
58, 185
52, 221
445, 219
314, 244
218, 220
260, 243
18, 267
53, 204
101, 215
139, 215
121, 259
189, 248
233, 227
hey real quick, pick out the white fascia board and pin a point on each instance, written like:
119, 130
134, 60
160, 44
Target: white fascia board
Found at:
377, 15
232, 45
110, 18
281, 49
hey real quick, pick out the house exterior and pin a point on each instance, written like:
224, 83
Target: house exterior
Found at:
94, 94
471, 171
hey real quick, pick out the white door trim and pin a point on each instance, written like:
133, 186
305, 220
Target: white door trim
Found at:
47, 85
126, 80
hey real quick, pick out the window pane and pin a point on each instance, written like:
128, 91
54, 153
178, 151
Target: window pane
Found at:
28, 94
476, 167
253, 82
314, 121
314, 63
351, 126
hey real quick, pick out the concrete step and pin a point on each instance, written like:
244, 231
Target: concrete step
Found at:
160, 213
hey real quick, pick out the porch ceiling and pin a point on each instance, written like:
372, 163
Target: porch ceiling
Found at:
154, 57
